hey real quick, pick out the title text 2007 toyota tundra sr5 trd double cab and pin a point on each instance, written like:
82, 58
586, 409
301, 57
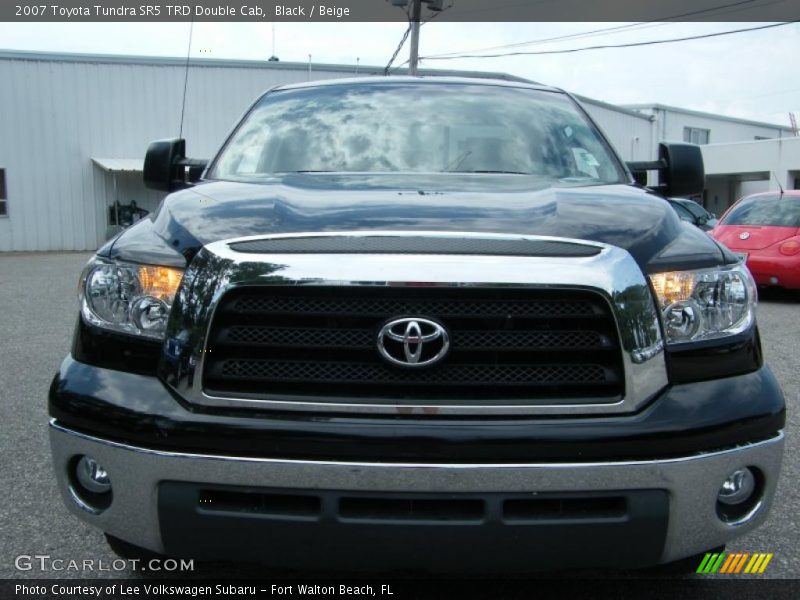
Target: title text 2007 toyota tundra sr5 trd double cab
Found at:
422, 323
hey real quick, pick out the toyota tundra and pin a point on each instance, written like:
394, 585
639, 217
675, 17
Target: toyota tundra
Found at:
422, 323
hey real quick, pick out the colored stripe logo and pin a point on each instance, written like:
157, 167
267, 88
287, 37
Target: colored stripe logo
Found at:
734, 563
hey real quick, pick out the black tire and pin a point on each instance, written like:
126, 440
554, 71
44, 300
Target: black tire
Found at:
130, 551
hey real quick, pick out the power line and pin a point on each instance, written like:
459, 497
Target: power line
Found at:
546, 40
397, 50
608, 46
608, 30
186, 76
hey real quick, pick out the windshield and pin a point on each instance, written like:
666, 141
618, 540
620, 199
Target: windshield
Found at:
775, 210
418, 127
697, 210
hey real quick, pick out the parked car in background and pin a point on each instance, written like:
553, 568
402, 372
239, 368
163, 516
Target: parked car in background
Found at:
692, 212
764, 229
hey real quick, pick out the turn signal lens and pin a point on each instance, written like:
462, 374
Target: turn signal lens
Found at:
790, 248
673, 286
160, 282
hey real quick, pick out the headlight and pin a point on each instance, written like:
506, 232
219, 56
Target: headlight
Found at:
705, 304
129, 298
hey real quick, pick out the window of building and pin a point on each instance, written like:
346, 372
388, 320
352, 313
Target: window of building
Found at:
693, 135
3, 198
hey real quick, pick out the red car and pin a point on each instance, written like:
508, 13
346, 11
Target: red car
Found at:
765, 229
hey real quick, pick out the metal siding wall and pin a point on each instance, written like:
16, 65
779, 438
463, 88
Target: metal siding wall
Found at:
55, 115
6, 138
621, 128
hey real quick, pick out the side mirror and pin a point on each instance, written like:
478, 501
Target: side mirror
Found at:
680, 169
685, 173
166, 167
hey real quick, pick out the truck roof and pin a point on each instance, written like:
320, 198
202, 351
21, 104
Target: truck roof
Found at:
431, 80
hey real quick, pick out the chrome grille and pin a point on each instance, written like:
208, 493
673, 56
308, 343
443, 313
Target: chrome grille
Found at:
507, 345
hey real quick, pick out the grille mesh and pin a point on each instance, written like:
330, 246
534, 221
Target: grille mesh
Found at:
284, 336
506, 345
388, 307
446, 375
359, 338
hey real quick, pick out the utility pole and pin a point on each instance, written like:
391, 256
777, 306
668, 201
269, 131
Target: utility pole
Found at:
416, 13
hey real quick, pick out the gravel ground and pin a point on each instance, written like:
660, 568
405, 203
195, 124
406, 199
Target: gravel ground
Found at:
37, 314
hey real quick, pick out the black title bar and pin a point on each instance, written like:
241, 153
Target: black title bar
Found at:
548, 586
389, 10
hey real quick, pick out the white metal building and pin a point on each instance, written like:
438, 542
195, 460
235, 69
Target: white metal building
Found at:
74, 128
684, 125
736, 169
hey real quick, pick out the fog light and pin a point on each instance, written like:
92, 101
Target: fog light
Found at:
741, 495
738, 487
92, 476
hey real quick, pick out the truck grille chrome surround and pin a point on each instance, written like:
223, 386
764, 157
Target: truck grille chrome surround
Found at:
576, 334
503, 348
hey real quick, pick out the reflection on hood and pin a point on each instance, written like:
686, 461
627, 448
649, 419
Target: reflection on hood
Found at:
620, 215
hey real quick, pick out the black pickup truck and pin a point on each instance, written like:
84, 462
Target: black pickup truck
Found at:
419, 323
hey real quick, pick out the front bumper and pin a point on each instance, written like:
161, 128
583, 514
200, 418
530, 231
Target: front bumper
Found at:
157, 505
775, 269
684, 420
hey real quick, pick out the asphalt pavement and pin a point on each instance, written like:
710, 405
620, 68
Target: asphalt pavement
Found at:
38, 308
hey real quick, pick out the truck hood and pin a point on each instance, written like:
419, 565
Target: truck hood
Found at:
621, 215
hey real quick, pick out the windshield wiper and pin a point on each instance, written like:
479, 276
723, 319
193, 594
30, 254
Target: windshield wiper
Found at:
494, 171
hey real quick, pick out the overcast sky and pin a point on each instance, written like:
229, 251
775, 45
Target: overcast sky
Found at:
751, 75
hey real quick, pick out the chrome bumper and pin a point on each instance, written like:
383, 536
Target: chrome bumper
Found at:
692, 483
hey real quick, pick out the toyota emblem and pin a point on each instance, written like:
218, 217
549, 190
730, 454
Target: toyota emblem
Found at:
413, 342
744, 235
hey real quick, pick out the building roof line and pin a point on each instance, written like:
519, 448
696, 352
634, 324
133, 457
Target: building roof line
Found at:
781, 141
236, 62
699, 113
615, 107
